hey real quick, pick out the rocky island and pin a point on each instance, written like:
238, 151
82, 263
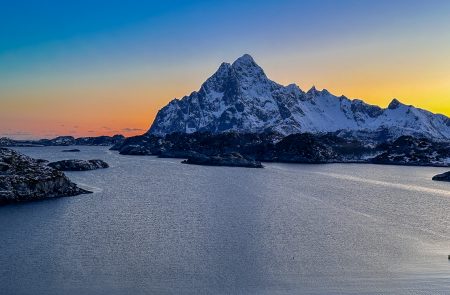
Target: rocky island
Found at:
230, 160
78, 165
442, 177
25, 179
71, 151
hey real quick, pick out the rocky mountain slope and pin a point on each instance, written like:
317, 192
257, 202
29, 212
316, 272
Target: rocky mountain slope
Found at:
240, 97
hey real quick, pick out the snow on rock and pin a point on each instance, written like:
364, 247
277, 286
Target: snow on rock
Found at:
240, 97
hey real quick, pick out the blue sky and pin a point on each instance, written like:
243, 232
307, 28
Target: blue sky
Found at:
53, 53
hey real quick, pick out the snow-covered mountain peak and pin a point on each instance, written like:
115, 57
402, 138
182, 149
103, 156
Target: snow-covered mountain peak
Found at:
325, 92
239, 97
248, 72
294, 89
313, 92
245, 60
224, 67
394, 104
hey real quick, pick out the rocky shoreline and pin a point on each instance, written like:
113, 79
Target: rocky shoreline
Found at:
206, 148
296, 148
26, 179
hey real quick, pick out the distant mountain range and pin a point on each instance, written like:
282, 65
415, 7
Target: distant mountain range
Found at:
64, 141
239, 97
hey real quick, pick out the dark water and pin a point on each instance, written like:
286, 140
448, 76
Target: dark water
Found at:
155, 226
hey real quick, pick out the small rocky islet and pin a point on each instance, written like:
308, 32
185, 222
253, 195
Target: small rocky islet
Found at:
23, 178
229, 159
78, 165
442, 177
71, 151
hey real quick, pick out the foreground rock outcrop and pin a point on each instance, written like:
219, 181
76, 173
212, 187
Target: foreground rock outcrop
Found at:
230, 160
25, 179
442, 177
78, 165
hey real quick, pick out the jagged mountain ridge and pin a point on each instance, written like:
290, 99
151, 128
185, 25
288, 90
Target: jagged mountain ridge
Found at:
239, 97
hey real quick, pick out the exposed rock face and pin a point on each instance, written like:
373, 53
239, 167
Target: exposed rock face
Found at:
78, 165
231, 160
25, 179
71, 151
240, 97
442, 177
408, 150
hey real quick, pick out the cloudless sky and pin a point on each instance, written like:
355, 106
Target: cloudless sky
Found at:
103, 67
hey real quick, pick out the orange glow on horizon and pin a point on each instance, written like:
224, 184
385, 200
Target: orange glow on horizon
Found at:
128, 104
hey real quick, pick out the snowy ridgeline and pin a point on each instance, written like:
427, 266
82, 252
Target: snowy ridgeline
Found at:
239, 97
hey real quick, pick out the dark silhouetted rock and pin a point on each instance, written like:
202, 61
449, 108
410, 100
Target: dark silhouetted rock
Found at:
442, 177
78, 165
178, 154
408, 150
71, 151
231, 160
140, 145
25, 179
100, 140
294, 148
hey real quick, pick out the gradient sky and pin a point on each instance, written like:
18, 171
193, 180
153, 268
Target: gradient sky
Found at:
87, 68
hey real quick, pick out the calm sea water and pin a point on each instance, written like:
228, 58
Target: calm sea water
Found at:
156, 226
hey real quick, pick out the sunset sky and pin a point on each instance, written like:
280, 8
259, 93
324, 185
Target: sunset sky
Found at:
86, 68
